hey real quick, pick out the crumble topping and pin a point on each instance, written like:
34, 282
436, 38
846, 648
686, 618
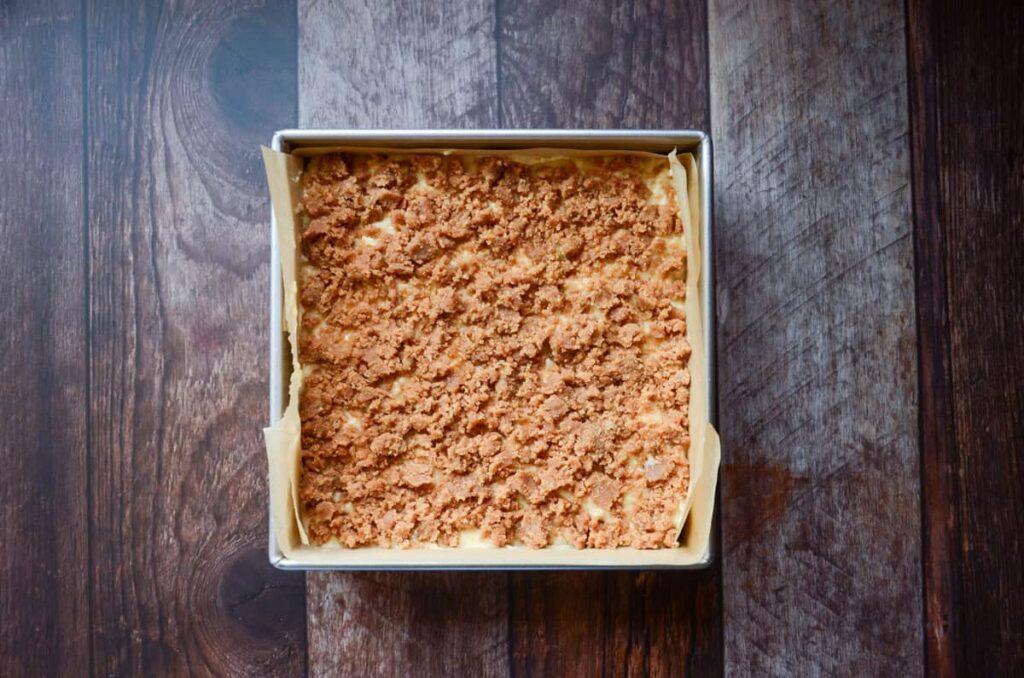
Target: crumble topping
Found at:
492, 348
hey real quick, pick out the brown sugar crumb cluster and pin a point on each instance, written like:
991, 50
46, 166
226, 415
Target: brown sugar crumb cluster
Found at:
495, 346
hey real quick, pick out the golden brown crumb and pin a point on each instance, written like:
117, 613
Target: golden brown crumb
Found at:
491, 345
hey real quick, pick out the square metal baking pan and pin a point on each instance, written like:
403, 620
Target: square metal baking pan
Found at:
657, 141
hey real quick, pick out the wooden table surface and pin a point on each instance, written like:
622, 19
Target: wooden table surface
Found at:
869, 196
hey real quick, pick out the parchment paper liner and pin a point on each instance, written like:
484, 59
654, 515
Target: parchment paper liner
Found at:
284, 437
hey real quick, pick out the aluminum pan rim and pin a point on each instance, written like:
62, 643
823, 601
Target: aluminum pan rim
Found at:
652, 140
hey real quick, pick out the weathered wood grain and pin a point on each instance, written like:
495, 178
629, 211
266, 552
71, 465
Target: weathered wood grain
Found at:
967, 64
630, 65
402, 64
817, 351
44, 605
603, 64
133, 354
940, 521
179, 97
408, 624
616, 623
397, 64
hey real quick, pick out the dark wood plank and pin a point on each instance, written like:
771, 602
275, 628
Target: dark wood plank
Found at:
180, 96
607, 64
404, 64
43, 493
616, 623
821, 519
967, 64
940, 520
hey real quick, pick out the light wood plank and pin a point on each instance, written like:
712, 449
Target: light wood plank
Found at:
397, 64
402, 64
603, 64
817, 361
43, 492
